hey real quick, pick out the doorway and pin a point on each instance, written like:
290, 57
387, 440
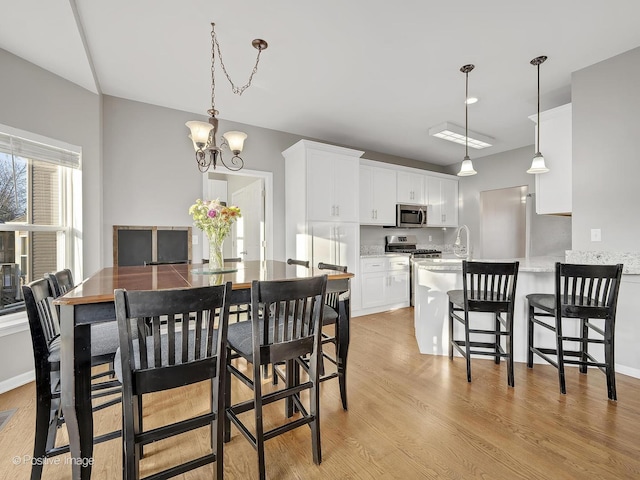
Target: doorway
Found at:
503, 223
251, 190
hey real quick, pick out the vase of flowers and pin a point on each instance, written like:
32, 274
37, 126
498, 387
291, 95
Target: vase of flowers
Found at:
215, 220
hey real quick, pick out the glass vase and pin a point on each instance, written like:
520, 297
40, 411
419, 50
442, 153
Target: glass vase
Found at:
216, 258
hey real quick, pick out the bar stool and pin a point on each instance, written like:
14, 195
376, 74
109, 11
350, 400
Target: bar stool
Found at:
587, 293
487, 287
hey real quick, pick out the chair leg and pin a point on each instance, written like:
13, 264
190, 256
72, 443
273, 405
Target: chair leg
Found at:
130, 452
227, 400
609, 358
510, 375
530, 338
46, 425
342, 347
257, 397
450, 330
467, 345
497, 340
560, 355
315, 424
584, 345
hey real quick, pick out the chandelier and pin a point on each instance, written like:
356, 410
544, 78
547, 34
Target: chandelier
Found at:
203, 134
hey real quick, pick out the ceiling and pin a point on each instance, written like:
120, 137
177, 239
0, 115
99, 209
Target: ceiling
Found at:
374, 75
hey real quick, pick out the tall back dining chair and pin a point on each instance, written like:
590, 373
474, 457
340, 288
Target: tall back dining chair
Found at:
61, 281
184, 347
45, 339
487, 287
286, 324
584, 293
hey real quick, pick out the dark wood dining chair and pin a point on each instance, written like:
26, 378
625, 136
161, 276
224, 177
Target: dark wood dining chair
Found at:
286, 325
486, 287
587, 294
187, 347
44, 327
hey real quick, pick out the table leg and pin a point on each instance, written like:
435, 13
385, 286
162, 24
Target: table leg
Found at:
75, 376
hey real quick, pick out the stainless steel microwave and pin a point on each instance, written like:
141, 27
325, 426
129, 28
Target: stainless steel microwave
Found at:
411, 216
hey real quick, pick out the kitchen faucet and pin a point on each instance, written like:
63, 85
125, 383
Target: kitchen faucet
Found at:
457, 247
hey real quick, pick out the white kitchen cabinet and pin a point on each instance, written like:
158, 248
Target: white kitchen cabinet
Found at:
442, 201
377, 196
332, 186
553, 189
411, 188
384, 283
321, 207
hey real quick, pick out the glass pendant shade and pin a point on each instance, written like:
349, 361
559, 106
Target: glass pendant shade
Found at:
466, 169
235, 141
199, 133
537, 164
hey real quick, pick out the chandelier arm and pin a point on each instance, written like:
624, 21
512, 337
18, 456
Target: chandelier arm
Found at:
237, 90
202, 161
236, 163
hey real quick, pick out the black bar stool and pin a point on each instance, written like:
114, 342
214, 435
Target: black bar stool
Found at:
487, 287
584, 292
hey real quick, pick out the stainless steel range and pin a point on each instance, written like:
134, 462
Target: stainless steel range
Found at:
408, 244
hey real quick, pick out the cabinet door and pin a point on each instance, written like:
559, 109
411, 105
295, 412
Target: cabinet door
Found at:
373, 288
321, 206
346, 172
397, 288
367, 210
434, 202
384, 196
323, 245
449, 198
346, 237
410, 188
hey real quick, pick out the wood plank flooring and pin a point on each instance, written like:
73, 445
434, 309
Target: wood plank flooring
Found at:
410, 416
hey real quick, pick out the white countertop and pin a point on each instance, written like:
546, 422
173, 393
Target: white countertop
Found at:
531, 264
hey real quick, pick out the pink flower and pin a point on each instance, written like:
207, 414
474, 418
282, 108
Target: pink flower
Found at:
212, 213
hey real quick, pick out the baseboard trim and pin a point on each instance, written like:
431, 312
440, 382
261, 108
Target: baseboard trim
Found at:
17, 381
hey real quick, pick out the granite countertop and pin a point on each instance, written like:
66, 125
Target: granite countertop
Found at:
383, 254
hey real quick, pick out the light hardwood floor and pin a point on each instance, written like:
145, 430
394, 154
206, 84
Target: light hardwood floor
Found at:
410, 416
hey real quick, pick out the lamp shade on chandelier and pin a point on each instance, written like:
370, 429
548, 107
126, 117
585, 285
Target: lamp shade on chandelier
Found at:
204, 134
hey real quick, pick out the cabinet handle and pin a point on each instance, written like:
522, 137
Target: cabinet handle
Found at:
444, 217
376, 214
333, 210
337, 210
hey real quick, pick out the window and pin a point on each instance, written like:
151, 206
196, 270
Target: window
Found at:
40, 226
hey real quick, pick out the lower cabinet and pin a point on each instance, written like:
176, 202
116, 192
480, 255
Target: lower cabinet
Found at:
384, 283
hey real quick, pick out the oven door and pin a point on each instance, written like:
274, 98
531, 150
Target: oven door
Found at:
410, 216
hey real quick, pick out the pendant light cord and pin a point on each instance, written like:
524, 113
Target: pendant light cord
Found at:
466, 115
538, 149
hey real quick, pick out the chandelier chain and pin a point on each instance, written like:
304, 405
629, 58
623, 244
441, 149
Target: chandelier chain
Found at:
213, 71
237, 90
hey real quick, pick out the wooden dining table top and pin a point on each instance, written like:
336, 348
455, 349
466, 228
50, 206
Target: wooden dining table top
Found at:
100, 286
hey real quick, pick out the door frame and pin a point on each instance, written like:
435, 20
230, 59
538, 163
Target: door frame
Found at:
268, 201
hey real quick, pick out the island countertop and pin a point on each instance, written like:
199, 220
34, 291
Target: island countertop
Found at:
530, 264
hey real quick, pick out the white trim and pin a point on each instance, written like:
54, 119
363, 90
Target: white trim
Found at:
17, 381
630, 371
13, 323
403, 168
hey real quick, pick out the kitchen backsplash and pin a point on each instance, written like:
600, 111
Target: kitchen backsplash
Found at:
372, 238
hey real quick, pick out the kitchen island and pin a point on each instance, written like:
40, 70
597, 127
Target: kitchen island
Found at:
435, 277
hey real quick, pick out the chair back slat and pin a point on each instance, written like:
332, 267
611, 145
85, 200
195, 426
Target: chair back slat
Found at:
489, 285
286, 317
175, 329
587, 291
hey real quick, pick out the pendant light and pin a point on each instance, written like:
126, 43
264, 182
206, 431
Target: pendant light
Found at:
466, 168
537, 164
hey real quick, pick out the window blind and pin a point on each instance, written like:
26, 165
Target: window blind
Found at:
22, 147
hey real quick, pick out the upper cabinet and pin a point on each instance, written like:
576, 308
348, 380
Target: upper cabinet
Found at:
411, 188
553, 189
325, 179
377, 196
442, 202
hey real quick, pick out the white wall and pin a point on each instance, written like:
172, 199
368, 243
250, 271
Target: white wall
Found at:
606, 153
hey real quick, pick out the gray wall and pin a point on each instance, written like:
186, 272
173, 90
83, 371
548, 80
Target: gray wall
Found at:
606, 153
551, 234
37, 101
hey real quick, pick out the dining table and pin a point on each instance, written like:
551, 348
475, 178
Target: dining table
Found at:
92, 301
